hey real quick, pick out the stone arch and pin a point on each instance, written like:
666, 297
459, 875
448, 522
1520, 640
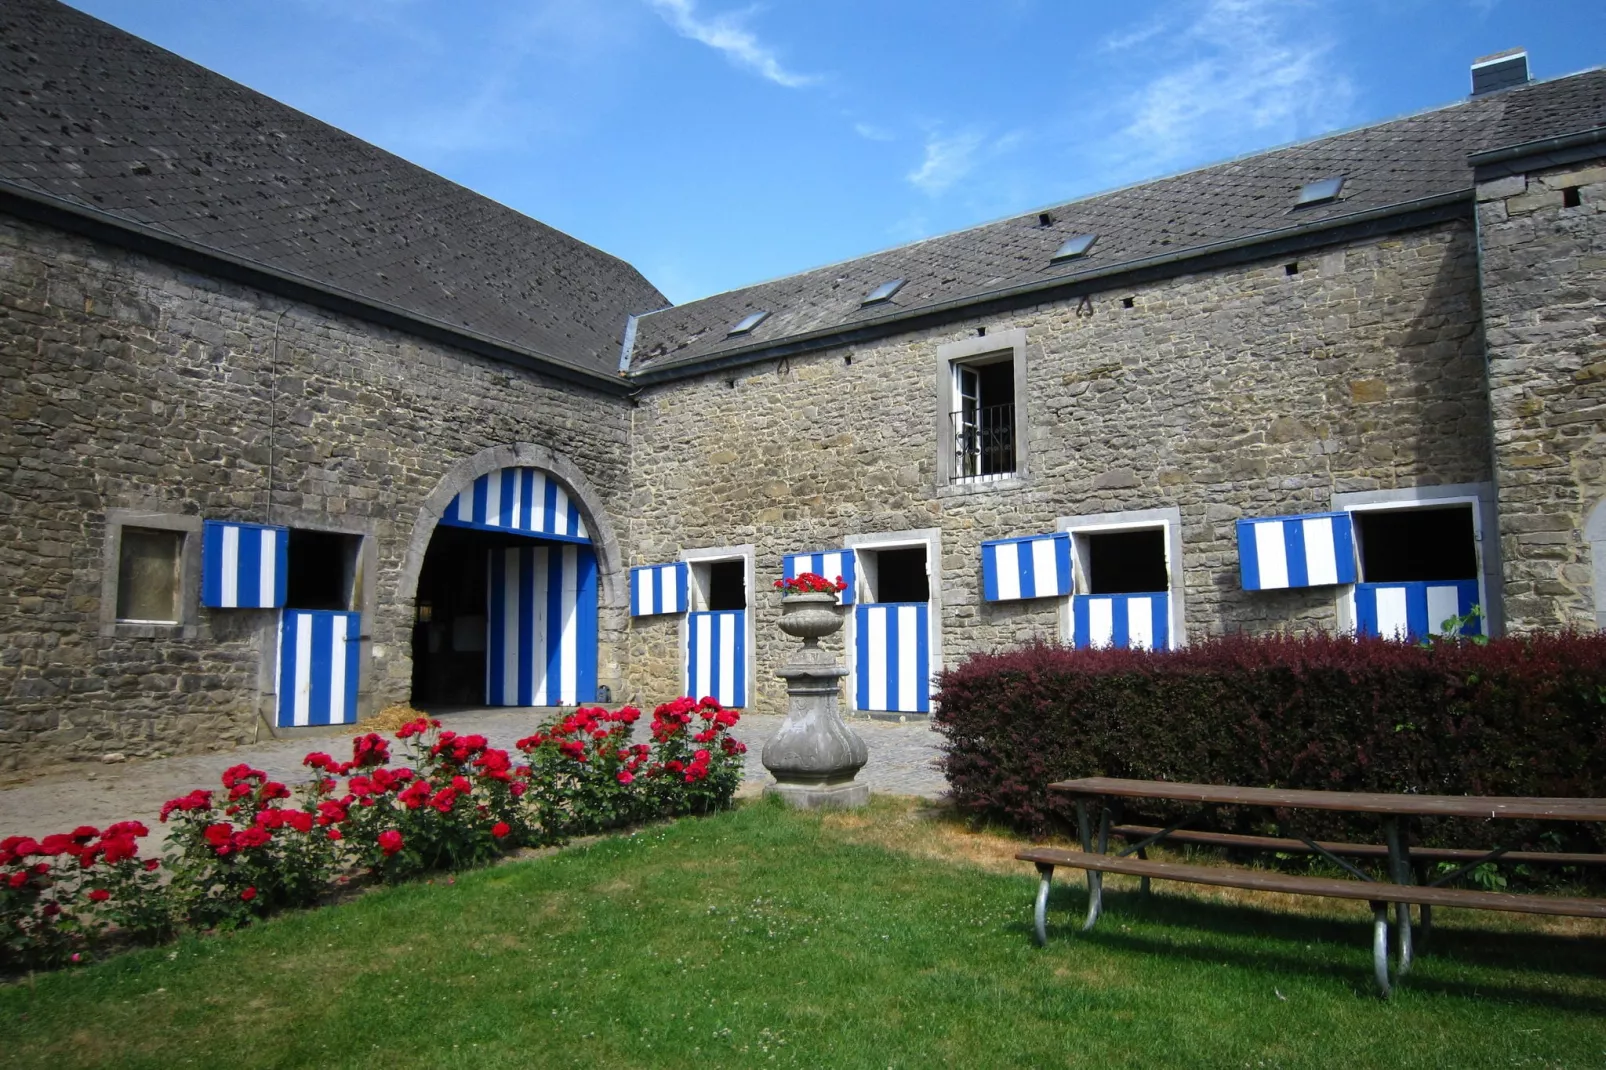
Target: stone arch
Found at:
1595, 536
610, 573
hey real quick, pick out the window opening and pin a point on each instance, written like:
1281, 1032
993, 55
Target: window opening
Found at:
898, 575
1412, 545
984, 420
725, 585
1571, 198
1126, 562
322, 570
148, 575
1075, 246
1320, 191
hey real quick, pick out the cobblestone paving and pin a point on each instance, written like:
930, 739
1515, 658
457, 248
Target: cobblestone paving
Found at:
903, 761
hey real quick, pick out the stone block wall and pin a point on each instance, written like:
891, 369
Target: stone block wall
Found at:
1245, 392
1544, 287
128, 384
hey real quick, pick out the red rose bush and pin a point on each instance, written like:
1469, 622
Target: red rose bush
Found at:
429, 800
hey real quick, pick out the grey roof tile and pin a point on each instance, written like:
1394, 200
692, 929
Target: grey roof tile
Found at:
1385, 165
92, 115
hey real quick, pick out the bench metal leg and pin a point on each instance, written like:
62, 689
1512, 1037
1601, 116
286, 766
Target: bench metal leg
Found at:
1380, 947
1095, 880
1400, 873
1143, 882
1040, 913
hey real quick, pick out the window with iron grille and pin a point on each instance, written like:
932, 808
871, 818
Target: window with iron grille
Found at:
980, 438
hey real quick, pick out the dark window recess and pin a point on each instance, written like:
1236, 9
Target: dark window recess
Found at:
727, 585
1570, 197
1417, 544
1127, 562
322, 570
984, 419
901, 575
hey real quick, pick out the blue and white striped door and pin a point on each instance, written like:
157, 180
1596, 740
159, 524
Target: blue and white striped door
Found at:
1133, 621
716, 655
1411, 611
317, 680
525, 500
541, 626
892, 663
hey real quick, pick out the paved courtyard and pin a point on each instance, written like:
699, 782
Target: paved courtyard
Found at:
903, 761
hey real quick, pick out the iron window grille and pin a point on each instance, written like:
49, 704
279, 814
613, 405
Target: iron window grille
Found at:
984, 442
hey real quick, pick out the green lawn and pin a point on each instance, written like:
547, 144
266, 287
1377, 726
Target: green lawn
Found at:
765, 937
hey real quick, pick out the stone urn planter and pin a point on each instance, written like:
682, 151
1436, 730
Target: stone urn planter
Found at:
815, 755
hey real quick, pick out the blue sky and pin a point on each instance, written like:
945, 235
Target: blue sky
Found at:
715, 144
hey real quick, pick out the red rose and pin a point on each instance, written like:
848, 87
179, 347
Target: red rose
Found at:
249, 894
500, 829
99, 895
517, 790
151, 864
390, 841
461, 785
625, 776
335, 834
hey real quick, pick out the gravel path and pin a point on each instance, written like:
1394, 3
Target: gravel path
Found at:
903, 761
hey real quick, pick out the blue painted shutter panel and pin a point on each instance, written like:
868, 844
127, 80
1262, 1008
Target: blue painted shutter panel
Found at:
317, 679
1411, 611
716, 656
1134, 621
1038, 566
243, 566
893, 657
524, 500
656, 589
1315, 550
541, 627
827, 563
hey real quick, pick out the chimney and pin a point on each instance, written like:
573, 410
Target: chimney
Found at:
1500, 71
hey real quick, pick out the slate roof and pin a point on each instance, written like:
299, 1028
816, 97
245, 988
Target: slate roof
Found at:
99, 118
1390, 164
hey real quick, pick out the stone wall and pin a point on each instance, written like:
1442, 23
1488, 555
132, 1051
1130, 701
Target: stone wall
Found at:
1544, 285
1246, 392
128, 384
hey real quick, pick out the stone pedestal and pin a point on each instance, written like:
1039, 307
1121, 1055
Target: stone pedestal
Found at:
815, 755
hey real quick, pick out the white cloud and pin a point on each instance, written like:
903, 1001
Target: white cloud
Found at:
726, 34
1240, 74
1120, 42
947, 160
871, 132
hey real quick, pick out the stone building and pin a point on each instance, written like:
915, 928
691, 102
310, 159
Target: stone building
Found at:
293, 429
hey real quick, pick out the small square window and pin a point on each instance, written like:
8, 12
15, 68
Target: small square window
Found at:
148, 561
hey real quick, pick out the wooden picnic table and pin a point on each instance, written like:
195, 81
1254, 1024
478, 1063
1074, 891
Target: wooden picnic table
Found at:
1107, 794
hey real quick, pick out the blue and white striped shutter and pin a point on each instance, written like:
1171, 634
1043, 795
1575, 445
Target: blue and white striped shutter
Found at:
243, 566
1317, 550
1134, 621
1411, 611
827, 563
656, 589
893, 657
525, 500
1038, 566
541, 631
716, 656
317, 679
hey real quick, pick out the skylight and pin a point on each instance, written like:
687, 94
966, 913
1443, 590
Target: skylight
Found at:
748, 323
1317, 192
883, 292
1077, 245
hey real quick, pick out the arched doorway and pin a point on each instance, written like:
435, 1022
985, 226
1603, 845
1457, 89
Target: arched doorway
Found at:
507, 597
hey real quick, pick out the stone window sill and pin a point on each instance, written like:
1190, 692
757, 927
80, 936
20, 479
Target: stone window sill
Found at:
981, 486
142, 630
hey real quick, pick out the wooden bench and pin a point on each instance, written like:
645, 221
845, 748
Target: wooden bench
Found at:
1379, 895
1406, 886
